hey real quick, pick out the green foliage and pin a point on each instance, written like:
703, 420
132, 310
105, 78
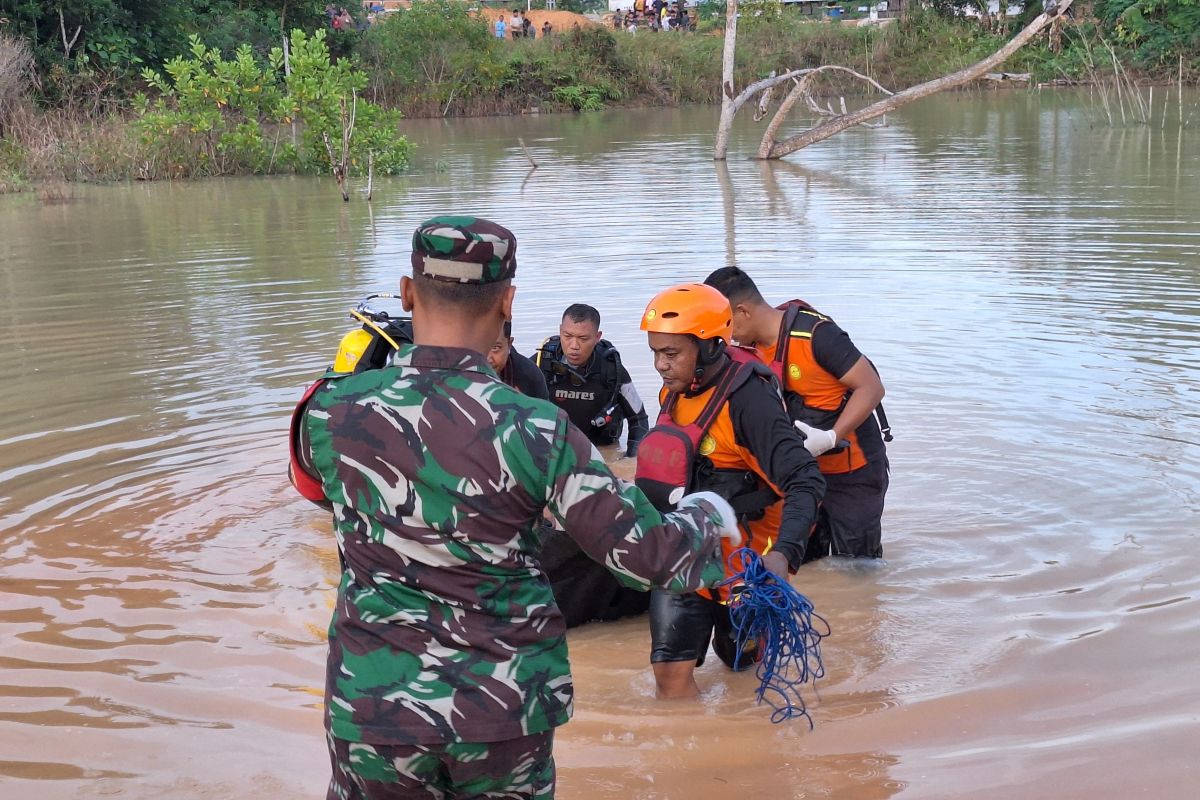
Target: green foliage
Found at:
324, 95
1159, 31
228, 24
217, 116
435, 49
580, 98
209, 115
581, 69
118, 38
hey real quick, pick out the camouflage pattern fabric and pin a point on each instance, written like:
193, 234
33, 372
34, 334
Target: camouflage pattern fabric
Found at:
518, 768
464, 250
445, 627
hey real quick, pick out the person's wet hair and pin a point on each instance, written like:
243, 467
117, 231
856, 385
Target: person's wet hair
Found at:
735, 284
581, 312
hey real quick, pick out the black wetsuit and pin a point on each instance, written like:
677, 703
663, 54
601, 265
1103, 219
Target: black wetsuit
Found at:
523, 375
600, 391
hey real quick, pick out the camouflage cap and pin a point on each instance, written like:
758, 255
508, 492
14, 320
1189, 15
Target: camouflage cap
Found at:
464, 250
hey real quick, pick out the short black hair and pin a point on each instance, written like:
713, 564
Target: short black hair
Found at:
508, 328
735, 285
470, 298
579, 312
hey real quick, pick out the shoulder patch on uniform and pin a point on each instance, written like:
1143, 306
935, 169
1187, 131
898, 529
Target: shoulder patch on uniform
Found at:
707, 445
793, 371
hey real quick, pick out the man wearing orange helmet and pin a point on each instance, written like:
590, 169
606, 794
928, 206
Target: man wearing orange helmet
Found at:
723, 427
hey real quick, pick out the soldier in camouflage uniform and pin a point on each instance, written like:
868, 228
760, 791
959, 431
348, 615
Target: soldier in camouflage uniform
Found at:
447, 669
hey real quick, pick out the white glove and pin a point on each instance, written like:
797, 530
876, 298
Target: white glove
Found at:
816, 441
727, 524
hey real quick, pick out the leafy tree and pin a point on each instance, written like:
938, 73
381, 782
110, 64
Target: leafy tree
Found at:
218, 116
210, 112
108, 42
321, 94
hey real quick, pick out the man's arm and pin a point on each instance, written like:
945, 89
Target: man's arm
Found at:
632, 408
838, 356
763, 428
614, 523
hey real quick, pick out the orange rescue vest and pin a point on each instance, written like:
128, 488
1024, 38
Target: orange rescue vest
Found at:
813, 395
692, 447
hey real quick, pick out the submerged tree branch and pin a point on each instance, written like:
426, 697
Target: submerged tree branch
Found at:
770, 148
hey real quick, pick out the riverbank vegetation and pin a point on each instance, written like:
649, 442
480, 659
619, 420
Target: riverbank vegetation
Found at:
128, 89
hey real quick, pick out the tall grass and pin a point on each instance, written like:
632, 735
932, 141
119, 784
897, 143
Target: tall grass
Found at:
16, 78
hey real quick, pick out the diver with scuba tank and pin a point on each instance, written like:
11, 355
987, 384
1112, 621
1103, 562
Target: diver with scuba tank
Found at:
588, 381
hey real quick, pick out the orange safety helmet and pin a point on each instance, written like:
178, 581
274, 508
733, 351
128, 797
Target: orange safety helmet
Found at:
694, 309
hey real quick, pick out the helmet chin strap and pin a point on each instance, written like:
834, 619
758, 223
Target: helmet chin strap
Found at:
704, 360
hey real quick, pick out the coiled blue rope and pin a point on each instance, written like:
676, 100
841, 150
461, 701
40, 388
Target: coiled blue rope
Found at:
769, 613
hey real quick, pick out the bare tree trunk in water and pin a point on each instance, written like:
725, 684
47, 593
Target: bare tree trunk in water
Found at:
729, 205
340, 166
769, 148
728, 109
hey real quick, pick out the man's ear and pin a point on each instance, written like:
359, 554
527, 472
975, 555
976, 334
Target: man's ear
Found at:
599, 335
506, 303
740, 308
406, 293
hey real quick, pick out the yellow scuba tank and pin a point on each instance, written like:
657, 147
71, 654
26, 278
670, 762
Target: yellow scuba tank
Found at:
350, 350
360, 349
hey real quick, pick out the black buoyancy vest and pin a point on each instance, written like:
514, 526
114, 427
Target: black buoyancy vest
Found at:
669, 462
585, 396
379, 351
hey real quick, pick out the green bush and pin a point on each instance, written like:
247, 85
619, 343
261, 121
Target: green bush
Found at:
438, 50
217, 116
209, 115
320, 94
1159, 31
581, 69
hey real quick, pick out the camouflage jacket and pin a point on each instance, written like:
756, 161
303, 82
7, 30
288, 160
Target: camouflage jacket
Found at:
445, 627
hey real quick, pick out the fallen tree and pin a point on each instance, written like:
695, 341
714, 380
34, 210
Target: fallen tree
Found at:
837, 122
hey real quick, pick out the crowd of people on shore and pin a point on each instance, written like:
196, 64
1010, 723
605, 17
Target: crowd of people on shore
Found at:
519, 26
657, 15
652, 15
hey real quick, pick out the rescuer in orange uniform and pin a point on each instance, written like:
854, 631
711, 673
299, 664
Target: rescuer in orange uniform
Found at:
833, 394
723, 428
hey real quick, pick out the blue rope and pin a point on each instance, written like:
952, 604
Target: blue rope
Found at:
769, 613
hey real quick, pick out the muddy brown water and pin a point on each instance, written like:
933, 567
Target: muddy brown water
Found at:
1026, 280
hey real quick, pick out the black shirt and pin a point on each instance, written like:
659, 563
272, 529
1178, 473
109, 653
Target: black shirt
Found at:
524, 376
835, 353
762, 426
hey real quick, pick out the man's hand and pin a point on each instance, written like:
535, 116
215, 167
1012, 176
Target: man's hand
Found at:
716, 506
777, 563
816, 441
